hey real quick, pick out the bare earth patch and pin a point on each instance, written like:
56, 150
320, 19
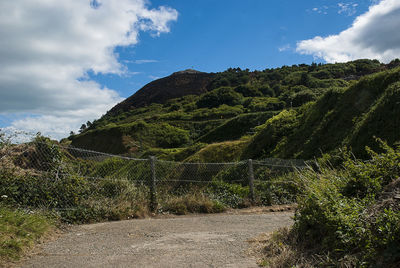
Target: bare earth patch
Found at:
219, 240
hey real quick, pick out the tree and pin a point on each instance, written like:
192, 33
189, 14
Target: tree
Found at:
83, 128
305, 79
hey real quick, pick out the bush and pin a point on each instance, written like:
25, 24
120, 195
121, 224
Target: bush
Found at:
68, 186
275, 189
229, 194
193, 202
217, 97
352, 213
248, 91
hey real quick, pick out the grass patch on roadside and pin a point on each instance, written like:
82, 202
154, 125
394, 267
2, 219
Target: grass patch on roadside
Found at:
193, 202
19, 231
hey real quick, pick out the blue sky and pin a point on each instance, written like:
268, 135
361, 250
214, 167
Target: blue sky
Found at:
212, 36
67, 62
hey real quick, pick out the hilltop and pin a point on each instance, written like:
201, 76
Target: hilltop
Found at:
298, 111
179, 84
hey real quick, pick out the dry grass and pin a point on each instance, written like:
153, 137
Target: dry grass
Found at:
274, 250
195, 202
280, 249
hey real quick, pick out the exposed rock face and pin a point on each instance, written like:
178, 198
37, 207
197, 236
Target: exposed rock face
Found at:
179, 84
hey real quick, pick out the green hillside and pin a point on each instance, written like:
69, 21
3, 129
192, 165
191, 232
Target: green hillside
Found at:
298, 111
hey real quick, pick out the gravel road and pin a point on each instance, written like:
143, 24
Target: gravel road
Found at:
218, 240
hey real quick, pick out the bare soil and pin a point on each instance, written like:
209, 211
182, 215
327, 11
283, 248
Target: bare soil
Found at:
218, 240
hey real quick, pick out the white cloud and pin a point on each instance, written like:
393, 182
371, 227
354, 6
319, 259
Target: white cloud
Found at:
145, 61
48, 46
284, 48
373, 35
154, 77
347, 8
320, 10
140, 61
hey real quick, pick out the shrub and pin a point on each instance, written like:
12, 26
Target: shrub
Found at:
229, 194
346, 213
248, 91
192, 202
223, 95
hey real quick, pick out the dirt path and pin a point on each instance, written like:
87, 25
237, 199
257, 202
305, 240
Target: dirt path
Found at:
190, 241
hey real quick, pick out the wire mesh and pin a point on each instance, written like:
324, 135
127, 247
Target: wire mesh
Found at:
52, 176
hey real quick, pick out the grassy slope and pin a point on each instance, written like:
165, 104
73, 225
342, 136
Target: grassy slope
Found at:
228, 151
236, 127
341, 117
19, 231
330, 109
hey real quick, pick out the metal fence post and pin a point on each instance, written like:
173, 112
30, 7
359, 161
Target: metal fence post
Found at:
251, 181
153, 195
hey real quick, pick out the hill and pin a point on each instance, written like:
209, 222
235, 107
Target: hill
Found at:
177, 85
298, 111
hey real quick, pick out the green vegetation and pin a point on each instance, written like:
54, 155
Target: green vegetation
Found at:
193, 202
348, 211
83, 187
228, 151
299, 111
19, 231
342, 116
42, 175
347, 216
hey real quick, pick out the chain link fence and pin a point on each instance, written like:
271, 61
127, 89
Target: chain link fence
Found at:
87, 185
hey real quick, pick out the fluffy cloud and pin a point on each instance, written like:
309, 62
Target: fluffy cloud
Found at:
373, 35
48, 46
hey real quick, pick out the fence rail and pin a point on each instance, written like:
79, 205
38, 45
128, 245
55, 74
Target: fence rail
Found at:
66, 178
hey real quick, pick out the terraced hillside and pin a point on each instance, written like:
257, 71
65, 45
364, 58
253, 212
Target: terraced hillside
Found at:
299, 111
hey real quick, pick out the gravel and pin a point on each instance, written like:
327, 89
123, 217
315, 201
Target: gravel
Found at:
218, 240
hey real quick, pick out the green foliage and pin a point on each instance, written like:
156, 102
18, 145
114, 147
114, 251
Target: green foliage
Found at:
266, 90
271, 134
302, 97
19, 231
350, 117
128, 137
217, 97
275, 188
346, 111
368, 178
219, 152
343, 212
229, 194
231, 77
263, 104
50, 152
381, 120
248, 91
192, 202
38, 191
174, 154
236, 127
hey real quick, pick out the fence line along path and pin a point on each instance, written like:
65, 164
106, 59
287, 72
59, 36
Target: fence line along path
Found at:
60, 177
